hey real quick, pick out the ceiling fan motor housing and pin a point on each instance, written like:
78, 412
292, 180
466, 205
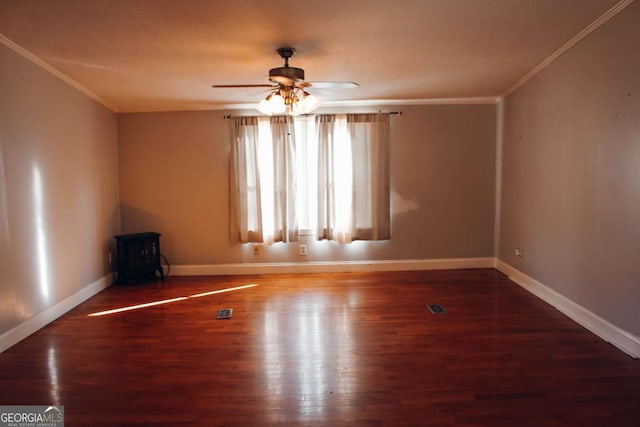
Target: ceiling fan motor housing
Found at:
286, 75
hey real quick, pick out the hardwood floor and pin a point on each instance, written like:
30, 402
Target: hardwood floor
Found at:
324, 349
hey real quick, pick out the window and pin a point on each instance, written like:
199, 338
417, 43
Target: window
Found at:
326, 175
307, 171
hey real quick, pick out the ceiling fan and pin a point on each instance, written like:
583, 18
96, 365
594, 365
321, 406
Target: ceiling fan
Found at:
289, 88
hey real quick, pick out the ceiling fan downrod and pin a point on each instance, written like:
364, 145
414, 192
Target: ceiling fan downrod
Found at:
286, 53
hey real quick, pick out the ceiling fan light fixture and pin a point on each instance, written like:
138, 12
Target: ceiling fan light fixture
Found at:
292, 100
297, 109
277, 104
274, 103
263, 107
310, 102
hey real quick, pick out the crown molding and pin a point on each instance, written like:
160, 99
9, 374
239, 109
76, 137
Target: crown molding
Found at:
423, 101
483, 100
351, 103
48, 68
617, 8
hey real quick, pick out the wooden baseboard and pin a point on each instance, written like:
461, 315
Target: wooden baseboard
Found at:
331, 266
23, 330
620, 338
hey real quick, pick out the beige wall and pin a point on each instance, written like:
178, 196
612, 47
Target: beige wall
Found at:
174, 180
58, 190
571, 173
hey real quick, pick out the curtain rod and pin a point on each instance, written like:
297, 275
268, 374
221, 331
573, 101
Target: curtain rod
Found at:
391, 113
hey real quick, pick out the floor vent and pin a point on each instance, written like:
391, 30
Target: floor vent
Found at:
224, 313
436, 309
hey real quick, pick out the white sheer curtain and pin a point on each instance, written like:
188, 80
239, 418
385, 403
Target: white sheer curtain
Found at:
244, 181
262, 180
353, 177
285, 220
335, 219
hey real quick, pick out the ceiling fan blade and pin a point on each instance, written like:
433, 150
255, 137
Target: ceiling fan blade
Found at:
240, 86
334, 85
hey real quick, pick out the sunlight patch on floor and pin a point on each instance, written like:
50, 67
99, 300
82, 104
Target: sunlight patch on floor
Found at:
168, 301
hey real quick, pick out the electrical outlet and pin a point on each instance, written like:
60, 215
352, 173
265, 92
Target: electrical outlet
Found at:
302, 250
257, 249
519, 253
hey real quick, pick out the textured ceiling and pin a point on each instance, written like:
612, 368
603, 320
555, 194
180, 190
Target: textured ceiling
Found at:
155, 55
